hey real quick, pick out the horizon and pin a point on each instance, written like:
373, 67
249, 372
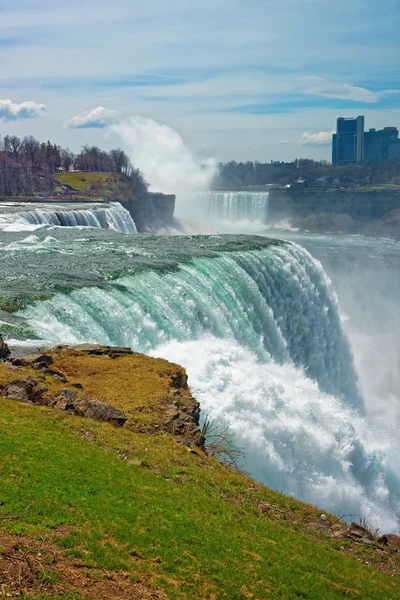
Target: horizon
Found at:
255, 82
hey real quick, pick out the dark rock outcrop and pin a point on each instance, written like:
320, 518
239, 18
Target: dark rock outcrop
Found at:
100, 411
4, 349
28, 390
152, 211
24, 390
39, 361
391, 540
182, 419
179, 415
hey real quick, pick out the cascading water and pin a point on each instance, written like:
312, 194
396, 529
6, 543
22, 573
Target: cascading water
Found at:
261, 337
238, 206
277, 303
114, 216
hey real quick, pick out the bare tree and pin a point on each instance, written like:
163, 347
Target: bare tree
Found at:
121, 162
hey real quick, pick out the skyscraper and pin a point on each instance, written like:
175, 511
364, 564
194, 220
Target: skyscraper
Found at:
377, 144
348, 141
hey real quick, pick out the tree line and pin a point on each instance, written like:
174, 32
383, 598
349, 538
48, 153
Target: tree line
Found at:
28, 166
240, 175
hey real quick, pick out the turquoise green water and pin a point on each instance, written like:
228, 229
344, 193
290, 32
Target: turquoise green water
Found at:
270, 349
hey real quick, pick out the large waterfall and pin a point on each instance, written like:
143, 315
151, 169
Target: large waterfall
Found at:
275, 302
113, 216
259, 331
238, 206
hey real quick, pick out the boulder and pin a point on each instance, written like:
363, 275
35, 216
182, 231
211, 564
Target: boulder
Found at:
390, 539
100, 411
25, 390
4, 349
358, 533
36, 360
66, 400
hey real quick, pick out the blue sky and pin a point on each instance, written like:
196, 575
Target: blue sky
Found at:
238, 80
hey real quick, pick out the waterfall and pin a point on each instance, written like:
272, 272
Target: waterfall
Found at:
276, 301
239, 206
113, 216
260, 334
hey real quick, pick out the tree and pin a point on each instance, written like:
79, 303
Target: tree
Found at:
120, 161
67, 159
139, 185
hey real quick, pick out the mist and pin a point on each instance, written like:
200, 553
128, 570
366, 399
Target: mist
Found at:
167, 162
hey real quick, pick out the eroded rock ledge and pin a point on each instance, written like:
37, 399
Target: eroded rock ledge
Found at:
110, 384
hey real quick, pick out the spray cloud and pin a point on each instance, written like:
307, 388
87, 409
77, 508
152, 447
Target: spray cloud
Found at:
167, 162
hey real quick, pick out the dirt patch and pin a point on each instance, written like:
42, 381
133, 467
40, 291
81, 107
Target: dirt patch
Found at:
33, 567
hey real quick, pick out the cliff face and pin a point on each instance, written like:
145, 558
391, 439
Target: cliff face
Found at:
361, 205
152, 211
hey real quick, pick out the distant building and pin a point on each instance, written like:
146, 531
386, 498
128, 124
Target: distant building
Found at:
299, 184
377, 144
348, 141
394, 150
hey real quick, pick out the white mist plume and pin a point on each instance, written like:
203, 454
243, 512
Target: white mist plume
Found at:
166, 161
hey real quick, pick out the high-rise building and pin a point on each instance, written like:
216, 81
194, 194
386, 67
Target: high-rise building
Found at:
377, 144
394, 150
348, 141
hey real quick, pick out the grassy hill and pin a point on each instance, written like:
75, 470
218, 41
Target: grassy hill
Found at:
114, 186
88, 510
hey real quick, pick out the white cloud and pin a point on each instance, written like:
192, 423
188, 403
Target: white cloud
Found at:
319, 139
10, 111
283, 142
97, 118
316, 86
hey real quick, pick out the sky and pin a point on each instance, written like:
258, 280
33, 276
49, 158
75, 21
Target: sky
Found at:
239, 80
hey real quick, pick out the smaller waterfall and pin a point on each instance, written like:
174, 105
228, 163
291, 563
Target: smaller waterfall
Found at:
239, 206
113, 216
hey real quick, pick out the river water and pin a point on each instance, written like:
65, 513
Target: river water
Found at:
293, 343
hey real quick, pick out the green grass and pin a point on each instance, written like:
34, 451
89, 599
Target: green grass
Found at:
135, 500
112, 185
190, 525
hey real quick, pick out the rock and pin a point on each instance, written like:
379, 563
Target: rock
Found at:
77, 386
390, 539
24, 391
264, 508
358, 531
96, 350
62, 403
35, 360
100, 411
338, 533
4, 349
180, 380
68, 394
60, 378
19, 390
66, 400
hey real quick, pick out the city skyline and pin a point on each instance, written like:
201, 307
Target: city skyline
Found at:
245, 82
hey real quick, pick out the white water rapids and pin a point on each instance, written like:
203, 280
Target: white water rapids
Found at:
261, 337
33, 216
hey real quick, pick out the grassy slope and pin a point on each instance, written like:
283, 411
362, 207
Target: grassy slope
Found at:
142, 503
111, 185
